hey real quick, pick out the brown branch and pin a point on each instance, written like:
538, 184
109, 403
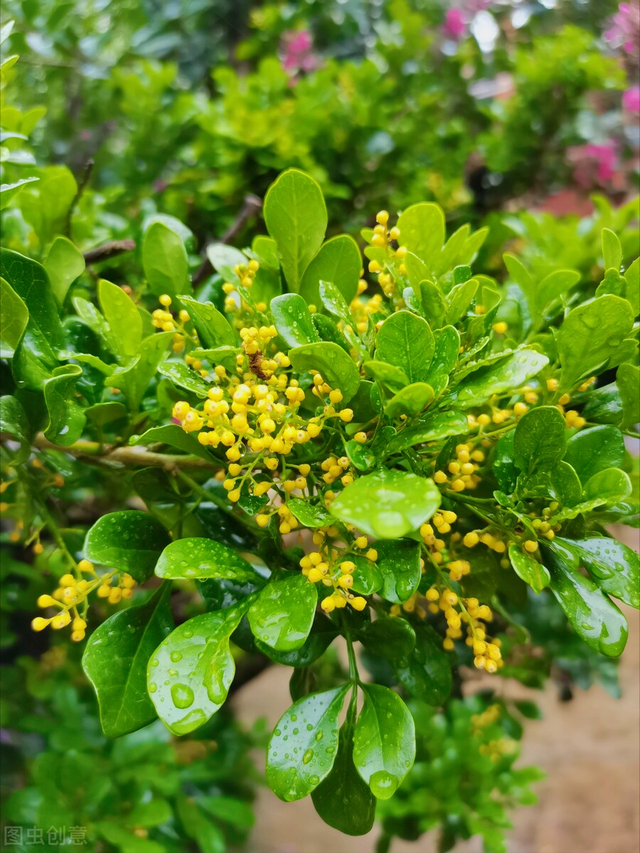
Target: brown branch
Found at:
108, 250
82, 183
133, 457
250, 208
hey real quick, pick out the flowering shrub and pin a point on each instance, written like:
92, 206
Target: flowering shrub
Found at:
396, 451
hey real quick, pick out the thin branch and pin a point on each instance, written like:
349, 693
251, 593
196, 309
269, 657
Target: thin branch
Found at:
108, 250
131, 457
250, 208
82, 183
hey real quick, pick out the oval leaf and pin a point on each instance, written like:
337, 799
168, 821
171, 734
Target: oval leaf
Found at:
129, 541
283, 614
203, 558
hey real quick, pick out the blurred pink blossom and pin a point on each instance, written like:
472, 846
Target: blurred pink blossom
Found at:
624, 29
593, 163
631, 99
455, 24
297, 52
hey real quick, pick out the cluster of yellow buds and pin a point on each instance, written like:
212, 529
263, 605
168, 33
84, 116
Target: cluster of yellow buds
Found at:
461, 471
246, 274
411, 605
382, 235
164, 320
329, 567
73, 590
488, 717
500, 328
574, 420
495, 749
458, 611
335, 468
542, 526
492, 541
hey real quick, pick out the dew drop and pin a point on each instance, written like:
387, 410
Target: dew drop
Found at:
182, 695
306, 758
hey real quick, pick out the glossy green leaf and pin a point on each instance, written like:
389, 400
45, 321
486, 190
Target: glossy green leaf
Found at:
336, 304
296, 217
90, 315
594, 449
399, 564
115, 662
337, 368
122, 316
425, 672
422, 231
45, 206
164, 260
384, 745
283, 613
539, 441
359, 455
304, 743
552, 287
510, 373
609, 486
406, 341
323, 633
9, 191
410, 401
460, 298
66, 417
173, 436
14, 316
387, 504
445, 355
366, 577
433, 427
519, 273
613, 566
504, 468
202, 558
64, 264
224, 258
134, 379
184, 377
632, 278
533, 573
593, 615
212, 326
293, 320
190, 672
339, 262
390, 376
343, 800
417, 270
434, 305
611, 249
590, 335
14, 422
309, 515
129, 541
388, 637
628, 382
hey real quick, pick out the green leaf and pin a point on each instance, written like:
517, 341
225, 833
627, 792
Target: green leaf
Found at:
184, 377
335, 303
425, 672
336, 367
164, 260
632, 278
134, 379
445, 355
611, 250
64, 264
224, 258
293, 320
433, 427
309, 515
387, 504
508, 375
122, 316
409, 401
303, 745
203, 558
339, 262
9, 191
212, 326
406, 341
174, 436
190, 672
14, 316
417, 270
14, 422
459, 300
66, 417
90, 315
434, 304
343, 800
150, 813
590, 335
115, 662
522, 278
296, 217
323, 633
399, 564
628, 382
553, 286
614, 566
391, 377
422, 231
594, 449
130, 541
529, 569
593, 615
539, 441
282, 615
608, 486
384, 745
388, 637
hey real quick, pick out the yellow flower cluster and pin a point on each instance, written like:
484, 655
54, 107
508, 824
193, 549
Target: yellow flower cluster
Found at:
487, 654
380, 240
328, 566
73, 590
164, 320
246, 273
461, 471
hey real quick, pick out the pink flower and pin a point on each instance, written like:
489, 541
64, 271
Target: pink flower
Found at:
297, 52
624, 29
631, 99
586, 157
455, 24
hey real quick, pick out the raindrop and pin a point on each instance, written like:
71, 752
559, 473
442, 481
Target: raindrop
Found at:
176, 656
182, 695
306, 758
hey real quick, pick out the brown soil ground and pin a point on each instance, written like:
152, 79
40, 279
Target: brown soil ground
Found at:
588, 747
